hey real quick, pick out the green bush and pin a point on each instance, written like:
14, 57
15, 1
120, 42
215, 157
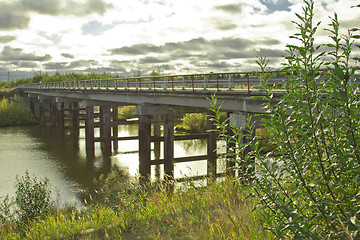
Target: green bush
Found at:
192, 123
32, 197
126, 112
309, 184
15, 112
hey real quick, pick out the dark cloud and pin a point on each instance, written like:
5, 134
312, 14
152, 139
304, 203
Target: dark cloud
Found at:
62, 66
7, 39
149, 60
17, 54
201, 54
231, 8
137, 49
16, 14
219, 65
47, 7
82, 63
270, 41
95, 28
224, 25
13, 16
67, 55
193, 45
55, 66
25, 64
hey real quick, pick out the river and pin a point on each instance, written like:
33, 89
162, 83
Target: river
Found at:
62, 160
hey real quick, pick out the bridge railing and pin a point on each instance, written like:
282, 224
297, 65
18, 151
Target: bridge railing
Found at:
192, 82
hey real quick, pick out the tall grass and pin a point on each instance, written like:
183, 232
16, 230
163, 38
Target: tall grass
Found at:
218, 211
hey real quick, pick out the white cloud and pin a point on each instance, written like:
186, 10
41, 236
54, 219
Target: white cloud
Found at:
80, 33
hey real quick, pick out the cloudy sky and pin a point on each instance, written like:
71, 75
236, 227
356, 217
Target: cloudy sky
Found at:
171, 36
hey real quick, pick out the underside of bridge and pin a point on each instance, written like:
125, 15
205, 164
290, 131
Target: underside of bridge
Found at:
69, 114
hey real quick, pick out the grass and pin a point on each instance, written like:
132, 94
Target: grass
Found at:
218, 211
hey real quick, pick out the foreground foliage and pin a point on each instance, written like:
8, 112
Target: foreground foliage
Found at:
309, 184
219, 211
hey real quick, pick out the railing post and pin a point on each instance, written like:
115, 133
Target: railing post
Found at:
107, 84
217, 82
99, 85
116, 85
125, 84
248, 82
149, 83
164, 83
137, 84
230, 79
192, 80
204, 82
183, 83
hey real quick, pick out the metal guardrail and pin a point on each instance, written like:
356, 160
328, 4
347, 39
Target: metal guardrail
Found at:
194, 82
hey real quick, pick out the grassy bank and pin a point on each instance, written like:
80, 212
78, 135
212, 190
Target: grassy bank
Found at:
13, 110
219, 211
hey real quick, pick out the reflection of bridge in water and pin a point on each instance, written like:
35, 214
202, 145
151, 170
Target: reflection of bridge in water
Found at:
157, 99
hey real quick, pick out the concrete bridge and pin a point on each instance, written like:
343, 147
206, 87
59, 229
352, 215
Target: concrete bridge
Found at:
156, 100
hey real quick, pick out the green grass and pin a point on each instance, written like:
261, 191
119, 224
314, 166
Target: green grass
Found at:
218, 211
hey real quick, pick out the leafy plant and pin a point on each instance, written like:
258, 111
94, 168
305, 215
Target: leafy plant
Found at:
15, 112
5, 209
32, 197
126, 112
193, 123
309, 183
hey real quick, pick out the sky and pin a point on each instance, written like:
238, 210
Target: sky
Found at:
170, 36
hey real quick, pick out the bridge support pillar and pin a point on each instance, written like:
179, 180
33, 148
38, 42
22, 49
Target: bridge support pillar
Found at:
169, 146
89, 132
211, 148
75, 111
115, 128
144, 146
147, 113
36, 111
230, 151
105, 129
60, 116
41, 113
157, 133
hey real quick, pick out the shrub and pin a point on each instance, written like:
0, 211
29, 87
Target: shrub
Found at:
309, 183
126, 112
192, 123
14, 112
32, 197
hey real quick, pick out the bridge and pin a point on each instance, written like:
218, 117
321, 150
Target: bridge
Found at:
156, 100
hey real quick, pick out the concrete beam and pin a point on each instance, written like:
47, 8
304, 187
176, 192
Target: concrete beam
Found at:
148, 109
92, 103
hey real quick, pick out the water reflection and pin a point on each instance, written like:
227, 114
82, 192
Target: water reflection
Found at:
62, 159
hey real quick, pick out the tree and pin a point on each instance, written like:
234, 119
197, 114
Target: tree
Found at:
309, 185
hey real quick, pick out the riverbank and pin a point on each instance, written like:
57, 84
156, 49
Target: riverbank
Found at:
218, 211
13, 110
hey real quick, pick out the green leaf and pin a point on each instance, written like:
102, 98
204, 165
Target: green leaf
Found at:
338, 72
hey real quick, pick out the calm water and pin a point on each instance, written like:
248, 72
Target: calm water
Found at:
62, 160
